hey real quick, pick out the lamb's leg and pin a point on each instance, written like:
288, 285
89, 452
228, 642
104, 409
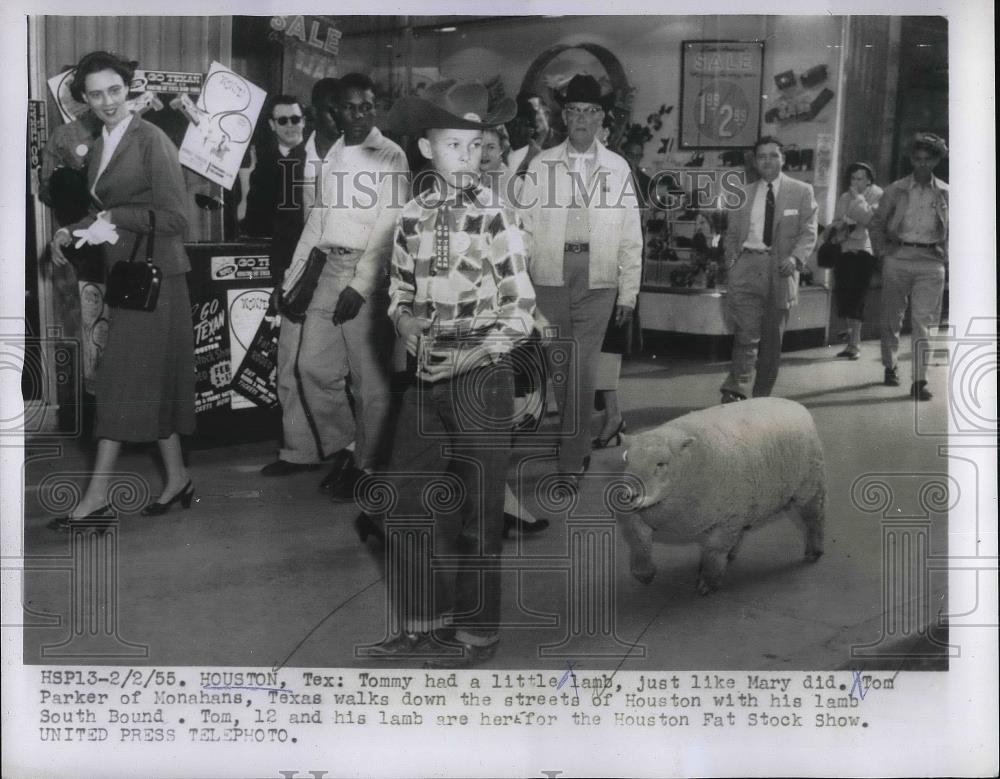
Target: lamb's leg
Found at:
809, 516
715, 551
639, 537
734, 550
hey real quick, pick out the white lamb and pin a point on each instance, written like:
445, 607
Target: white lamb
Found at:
711, 475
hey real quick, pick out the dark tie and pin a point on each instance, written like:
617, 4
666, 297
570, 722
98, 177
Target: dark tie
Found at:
769, 216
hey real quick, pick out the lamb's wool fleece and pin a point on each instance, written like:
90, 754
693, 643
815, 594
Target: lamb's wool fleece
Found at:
711, 475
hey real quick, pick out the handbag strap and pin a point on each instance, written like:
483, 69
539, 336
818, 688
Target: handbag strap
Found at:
149, 241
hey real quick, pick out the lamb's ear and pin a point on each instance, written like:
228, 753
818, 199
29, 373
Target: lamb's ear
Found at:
626, 441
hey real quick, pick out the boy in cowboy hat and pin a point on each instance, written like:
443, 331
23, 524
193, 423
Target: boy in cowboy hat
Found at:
461, 299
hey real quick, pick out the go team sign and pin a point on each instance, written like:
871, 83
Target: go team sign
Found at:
721, 87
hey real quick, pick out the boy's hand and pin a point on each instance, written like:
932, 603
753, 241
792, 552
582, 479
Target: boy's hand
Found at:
448, 363
410, 328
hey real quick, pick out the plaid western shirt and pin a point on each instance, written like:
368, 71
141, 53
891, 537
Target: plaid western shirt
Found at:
479, 293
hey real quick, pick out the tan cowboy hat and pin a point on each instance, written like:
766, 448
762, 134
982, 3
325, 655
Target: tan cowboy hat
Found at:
451, 104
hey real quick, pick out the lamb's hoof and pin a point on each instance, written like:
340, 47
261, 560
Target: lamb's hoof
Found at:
644, 576
706, 587
812, 555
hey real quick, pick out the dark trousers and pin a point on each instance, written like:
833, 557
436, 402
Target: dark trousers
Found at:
461, 431
851, 276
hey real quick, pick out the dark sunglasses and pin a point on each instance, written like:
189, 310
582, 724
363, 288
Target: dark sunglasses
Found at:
283, 120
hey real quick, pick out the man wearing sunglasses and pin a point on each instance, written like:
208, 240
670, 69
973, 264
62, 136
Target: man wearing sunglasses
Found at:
274, 207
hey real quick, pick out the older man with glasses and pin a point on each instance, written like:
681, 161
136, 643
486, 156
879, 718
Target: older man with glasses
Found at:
579, 204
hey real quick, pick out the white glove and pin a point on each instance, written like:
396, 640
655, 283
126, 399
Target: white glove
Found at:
100, 231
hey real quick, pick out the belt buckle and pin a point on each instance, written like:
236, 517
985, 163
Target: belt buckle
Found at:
575, 248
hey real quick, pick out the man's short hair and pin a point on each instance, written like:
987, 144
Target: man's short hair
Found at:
358, 81
766, 139
322, 89
283, 100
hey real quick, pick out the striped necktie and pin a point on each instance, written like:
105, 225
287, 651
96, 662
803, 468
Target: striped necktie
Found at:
769, 216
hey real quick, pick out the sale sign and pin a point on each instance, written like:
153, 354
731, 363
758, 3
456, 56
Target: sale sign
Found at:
721, 87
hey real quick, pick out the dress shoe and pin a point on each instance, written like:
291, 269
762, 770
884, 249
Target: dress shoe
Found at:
851, 353
891, 377
366, 526
105, 514
283, 468
185, 496
411, 644
472, 654
338, 464
510, 522
731, 397
604, 443
919, 391
343, 490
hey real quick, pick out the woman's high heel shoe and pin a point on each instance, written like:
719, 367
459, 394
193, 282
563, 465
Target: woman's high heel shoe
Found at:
105, 514
185, 496
604, 443
510, 522
366, 526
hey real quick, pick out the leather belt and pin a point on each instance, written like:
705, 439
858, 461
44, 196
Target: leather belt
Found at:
576, 248
756, 251
916, 245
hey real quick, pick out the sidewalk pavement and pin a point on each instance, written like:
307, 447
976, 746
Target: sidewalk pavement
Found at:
265, 572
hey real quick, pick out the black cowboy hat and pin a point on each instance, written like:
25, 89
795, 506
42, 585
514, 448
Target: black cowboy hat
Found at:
451, 104
585, 89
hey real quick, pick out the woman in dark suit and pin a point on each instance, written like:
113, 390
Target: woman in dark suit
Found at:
145, 382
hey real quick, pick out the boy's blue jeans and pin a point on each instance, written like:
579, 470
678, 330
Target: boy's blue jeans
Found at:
461, 429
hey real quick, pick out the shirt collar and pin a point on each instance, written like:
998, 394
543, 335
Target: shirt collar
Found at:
570, 155
119, 129
911, 183
775, 185
373, 141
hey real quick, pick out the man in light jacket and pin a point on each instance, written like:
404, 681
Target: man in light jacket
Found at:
910, 231
580, 206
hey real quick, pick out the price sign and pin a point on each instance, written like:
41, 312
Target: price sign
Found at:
720, 94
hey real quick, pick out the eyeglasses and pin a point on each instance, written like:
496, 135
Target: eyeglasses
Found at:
586, 109
361, 109
283, 120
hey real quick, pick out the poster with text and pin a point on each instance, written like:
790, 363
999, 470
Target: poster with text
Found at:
246, 310
222, 124
721, 86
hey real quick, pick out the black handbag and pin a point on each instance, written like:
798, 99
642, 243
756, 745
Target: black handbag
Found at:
136, 285
829, 251
294, 303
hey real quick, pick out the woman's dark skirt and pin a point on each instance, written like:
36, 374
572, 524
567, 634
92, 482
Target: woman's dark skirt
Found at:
851, 277
145, 381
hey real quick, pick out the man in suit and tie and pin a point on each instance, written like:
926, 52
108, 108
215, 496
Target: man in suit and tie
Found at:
769, 238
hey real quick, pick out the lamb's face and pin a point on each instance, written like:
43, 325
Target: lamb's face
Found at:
653, 458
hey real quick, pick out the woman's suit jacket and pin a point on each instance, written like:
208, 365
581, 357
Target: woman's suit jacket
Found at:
142, 175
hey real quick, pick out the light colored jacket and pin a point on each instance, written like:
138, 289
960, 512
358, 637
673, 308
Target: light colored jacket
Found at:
888, 219
855, 212
794, 233
367, 224
612, 211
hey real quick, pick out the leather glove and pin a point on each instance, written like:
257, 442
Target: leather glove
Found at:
348, 305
